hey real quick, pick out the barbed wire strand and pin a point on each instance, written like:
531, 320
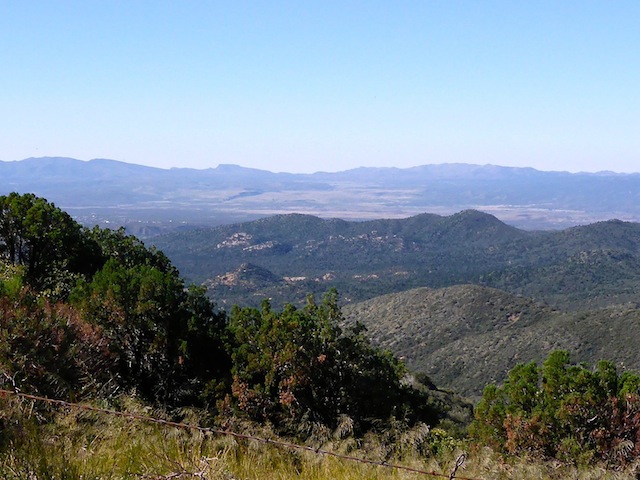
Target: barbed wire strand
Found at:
241, 436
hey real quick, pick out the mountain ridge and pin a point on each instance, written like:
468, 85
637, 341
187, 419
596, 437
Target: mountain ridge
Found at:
111, 192
580, 267
449, 168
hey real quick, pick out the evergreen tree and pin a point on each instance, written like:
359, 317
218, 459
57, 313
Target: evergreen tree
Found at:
53, 247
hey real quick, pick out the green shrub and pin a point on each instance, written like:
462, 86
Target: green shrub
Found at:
562, 411
299, 364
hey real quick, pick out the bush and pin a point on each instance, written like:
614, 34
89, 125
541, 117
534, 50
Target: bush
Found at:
299, 364
562, 411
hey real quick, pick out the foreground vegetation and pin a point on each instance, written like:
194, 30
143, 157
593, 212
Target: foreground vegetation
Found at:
94, 316
78, 445
563, 411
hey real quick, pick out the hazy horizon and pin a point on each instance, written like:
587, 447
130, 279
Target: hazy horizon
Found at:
266, 169
304, 87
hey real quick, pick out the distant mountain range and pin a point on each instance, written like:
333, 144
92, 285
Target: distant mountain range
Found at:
152, 200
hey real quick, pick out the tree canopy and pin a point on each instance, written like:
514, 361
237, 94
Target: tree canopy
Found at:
160, 337
46, 240
300, 364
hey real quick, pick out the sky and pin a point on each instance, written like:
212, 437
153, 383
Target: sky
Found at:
306, 86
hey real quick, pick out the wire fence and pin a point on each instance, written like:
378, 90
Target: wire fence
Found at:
241, 436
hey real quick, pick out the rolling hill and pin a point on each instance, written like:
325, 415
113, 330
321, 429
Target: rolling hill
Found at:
577, 268
466, 336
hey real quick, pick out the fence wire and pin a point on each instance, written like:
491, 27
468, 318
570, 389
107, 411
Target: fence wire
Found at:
242, 436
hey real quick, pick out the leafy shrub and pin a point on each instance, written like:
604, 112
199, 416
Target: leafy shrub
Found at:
165, 338
299, 364
52, 247
562, 411
84, 308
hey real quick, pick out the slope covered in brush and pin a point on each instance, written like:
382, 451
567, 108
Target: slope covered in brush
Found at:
466, 336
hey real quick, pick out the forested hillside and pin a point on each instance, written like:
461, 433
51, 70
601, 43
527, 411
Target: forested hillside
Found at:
287, 256
575, 289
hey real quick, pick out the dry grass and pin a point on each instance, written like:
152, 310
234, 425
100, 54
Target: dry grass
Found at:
87, 445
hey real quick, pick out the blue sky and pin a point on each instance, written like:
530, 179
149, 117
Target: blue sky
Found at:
322, 85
